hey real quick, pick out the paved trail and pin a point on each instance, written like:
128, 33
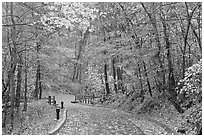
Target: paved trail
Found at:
88, 120
85, 120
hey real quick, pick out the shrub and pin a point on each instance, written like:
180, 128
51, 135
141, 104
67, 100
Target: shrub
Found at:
190, 96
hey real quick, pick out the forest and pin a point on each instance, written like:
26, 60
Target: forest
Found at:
143, 57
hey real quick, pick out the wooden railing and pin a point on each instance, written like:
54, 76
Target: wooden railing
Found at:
87, 99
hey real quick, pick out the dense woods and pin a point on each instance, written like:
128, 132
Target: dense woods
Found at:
135, 52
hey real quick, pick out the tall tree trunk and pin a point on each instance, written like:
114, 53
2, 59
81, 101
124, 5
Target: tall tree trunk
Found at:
119, 77
106, 79
5, 100
158, 43
74, 73
158, 85
189, 17
77, 66
77, 69
199, 28
77, 73
40, 81
114, 75
147, 79
10, 97
26, 83
12, 91
25, 92
141, 85
5, 110
80, 71
36, 93
5, 82
189, 56
120, 80
13, 52
36, 86
5, 86
171, 82
4, 114
198, 38
174, 102
18, 88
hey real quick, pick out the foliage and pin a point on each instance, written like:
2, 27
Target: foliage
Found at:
94, 80
192, 84
191, 96
69, 15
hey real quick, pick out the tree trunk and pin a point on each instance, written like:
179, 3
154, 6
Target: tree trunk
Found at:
190, 63
74, 73
199, 29
77, 72
158, 85
174, 102
106, 80
12, 91
13, 53
171, 82
5, 82
141, 85
189, 17
114, 75
18, 88
158, 43
26, 85
36, 93
147, 79
4, 111
10, 96
80, 75
36, 86
77, 66
120, 80
77, 69
5, 100
5, 87
40, 81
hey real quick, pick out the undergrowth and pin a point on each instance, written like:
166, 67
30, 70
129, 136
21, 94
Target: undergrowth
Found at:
37, 120
157, 108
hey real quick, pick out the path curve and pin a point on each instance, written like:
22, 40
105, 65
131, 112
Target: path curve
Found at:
88, 120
